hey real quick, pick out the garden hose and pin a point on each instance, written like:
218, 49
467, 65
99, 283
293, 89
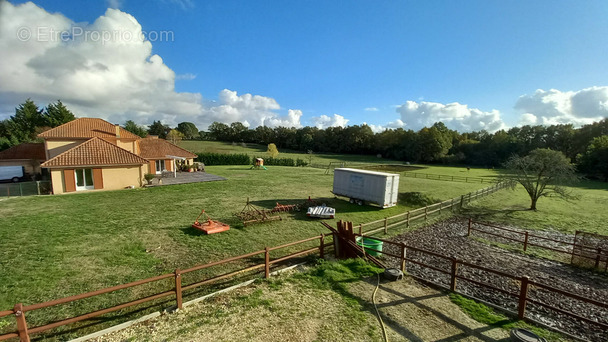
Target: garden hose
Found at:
378, 312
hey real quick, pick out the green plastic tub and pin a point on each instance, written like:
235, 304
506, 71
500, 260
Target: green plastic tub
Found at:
372, 246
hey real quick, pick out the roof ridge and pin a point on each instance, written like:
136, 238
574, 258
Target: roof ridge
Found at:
48, 133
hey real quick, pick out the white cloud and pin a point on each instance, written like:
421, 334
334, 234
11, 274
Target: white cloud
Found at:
460, 117
114, 77
371, 109
556, 107
114, 3
325, 121
380, 128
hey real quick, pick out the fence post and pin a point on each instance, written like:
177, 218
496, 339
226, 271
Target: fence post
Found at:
523, 296
403, 257
178, 289
38, 186
425, 209
322, 246
408, 220
361, 230
526, 241
336, 245
385, 225
461, 201
452, 205
469, 201
597, 257
21, 323
440, 205
266, 263
470, 224
454, 271
20, 190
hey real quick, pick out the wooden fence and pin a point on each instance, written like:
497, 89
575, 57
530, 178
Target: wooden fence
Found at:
23, 331
423, 213
524, 284
596, 255
449, 177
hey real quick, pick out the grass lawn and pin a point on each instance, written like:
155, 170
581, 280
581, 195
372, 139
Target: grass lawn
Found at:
55, 246
256, 150
588, 213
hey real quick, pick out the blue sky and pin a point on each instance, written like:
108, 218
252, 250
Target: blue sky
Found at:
473, 64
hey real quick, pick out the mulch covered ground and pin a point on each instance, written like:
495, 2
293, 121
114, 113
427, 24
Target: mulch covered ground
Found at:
449, 238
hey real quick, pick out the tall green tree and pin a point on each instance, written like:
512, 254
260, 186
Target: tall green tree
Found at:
136, 129
157, 128
188, 129
56, 114
543, 173
219, 131
594, 161
175, 136
23, 124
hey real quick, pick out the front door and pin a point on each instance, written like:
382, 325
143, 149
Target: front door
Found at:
84, 179
160, 166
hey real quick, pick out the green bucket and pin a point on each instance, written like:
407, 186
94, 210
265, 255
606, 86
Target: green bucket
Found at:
373, 247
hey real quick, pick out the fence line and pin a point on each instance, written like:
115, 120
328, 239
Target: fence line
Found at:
25, 188
522, 296
595, 254
416, 214
23, 331
448, 177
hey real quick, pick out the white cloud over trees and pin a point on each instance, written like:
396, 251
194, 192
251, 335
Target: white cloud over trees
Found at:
554, 107
417, 115
107, 69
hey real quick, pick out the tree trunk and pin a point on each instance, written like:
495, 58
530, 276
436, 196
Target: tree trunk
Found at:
533, 204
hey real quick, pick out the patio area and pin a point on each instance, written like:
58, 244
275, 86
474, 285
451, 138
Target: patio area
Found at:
184, 178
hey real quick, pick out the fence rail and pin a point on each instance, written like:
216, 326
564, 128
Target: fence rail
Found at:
416, 214
23, 331
596, 255
524, 283
449, 178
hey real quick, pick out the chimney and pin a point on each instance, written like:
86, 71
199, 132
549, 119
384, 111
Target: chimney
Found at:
153, 136
117, 131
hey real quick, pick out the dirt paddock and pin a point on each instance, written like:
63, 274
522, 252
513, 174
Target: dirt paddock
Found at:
449, 238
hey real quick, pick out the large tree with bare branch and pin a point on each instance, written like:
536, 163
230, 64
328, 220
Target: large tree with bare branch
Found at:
543, 173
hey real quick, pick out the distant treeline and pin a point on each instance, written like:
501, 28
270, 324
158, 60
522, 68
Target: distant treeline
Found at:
586, 146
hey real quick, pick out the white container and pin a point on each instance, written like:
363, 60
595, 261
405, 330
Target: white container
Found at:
362, 186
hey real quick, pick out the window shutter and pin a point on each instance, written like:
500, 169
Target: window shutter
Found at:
168, 165
97, 179
152, 167
69, 180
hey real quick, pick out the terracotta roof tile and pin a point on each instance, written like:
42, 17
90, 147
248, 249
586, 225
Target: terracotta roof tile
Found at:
87, 128
25, 151
155, 148
95, 152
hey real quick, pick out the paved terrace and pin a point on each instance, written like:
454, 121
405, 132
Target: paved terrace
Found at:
185, 177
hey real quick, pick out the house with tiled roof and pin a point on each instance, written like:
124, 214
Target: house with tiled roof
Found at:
27, 155
90, 153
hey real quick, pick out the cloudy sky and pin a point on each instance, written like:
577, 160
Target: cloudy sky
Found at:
470, 64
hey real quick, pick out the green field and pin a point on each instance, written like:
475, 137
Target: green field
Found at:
56, 246
256, 150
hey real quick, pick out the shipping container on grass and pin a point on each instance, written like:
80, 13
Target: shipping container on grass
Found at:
362, 186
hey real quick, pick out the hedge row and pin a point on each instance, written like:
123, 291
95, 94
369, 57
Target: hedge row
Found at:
224, 159
243, 159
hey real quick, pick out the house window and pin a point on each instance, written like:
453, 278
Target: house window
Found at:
160, 166
84, 179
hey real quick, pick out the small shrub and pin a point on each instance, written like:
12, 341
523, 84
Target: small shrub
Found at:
149, 177
301, 162
279, 161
